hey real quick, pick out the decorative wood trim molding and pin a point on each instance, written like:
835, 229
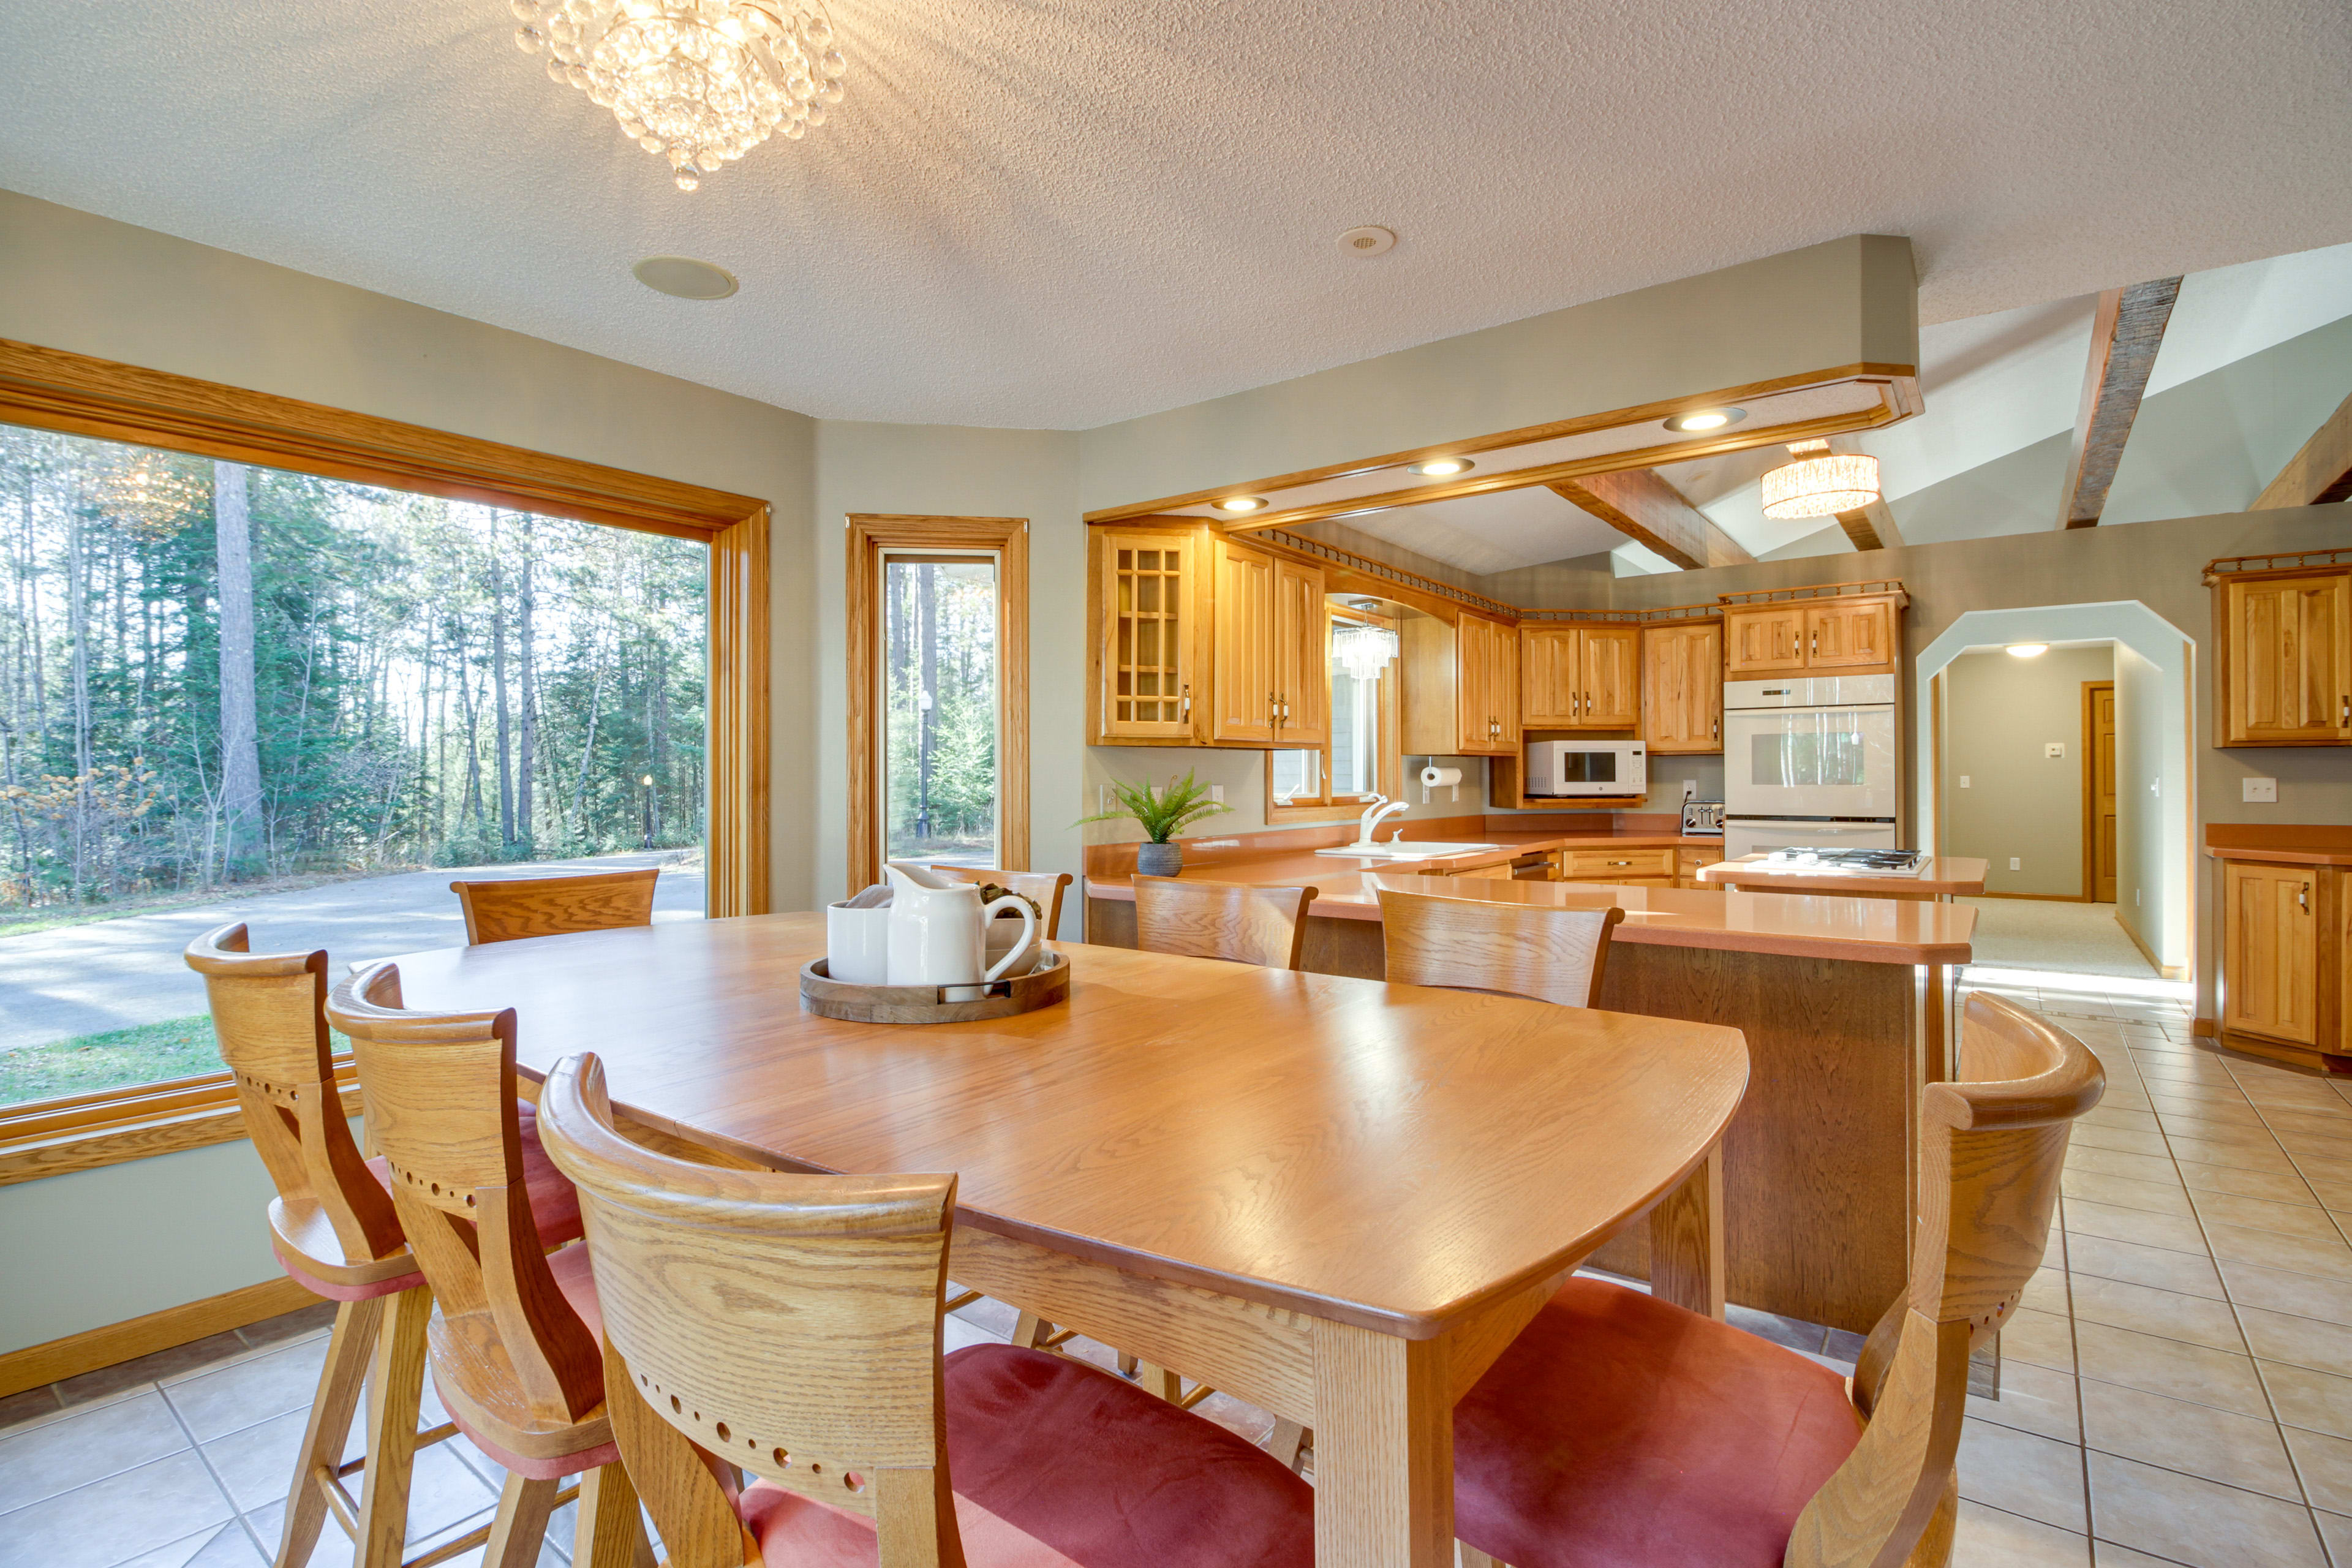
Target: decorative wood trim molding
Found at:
1899, 399
1893, 585
2205, 1028
52, 389
58, 1360
2286, 564
869, 535
193, 1114
2164, 971
2090, 769
1366, 566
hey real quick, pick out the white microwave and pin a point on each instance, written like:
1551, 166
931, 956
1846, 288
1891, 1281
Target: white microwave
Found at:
1587, 768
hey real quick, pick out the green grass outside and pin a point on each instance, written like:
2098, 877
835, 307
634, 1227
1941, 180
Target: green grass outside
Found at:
177, 1047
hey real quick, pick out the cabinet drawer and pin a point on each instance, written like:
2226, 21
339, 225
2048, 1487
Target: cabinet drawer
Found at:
1615, 865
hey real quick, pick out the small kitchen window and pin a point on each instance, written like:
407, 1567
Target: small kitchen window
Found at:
1360, 760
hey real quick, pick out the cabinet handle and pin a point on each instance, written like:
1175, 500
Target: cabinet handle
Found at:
1813, 648
1621, 862
1184, 711
1714, 729
2304, 898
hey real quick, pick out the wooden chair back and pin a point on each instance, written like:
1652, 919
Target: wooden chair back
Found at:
787, 1324
1264, 926
1550, 954
512, 907
269, 1013
1992, 1147
440, 1091
1043, 888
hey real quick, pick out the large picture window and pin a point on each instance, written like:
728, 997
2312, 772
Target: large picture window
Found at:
266, 661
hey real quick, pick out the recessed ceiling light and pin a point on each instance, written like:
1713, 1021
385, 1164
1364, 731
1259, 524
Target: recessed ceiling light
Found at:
685, 278
2028, 649
1438, 467
1706, 419
1368, 241
1241, 504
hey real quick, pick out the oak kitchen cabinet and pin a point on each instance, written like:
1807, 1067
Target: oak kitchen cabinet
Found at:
2285, 954
1461, 686
2282, 671
1846, 635
1682, 687
1197, 641
1580, 676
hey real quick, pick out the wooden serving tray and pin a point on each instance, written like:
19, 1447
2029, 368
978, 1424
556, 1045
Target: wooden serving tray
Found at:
829, 998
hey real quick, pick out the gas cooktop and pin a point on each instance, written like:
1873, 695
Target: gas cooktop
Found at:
1848, 862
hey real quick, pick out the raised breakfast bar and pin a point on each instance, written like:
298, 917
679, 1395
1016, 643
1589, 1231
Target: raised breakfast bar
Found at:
1846, 1004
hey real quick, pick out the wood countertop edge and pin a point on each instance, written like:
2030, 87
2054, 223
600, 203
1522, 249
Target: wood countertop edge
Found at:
2280, 856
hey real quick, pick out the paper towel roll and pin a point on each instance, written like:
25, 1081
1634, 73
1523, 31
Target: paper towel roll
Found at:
1439, 778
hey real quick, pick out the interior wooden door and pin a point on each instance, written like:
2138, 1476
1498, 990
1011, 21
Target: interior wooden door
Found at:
1245, 675
1764, 642
2289, 661
1681, 687
1548, 677
1302, 656
1145, 595
2271, 950
2099, 794
1842, 634
1611, 657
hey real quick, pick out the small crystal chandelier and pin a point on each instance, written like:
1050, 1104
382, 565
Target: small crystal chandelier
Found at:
1362, 651
701, 81
1820, 483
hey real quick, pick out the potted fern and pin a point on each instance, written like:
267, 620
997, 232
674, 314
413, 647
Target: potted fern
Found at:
1162, 814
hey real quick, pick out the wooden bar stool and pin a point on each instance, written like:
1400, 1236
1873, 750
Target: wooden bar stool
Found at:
1548, 953
791, 1325
513, 1335
1619, 1430
334, 1229
510, 908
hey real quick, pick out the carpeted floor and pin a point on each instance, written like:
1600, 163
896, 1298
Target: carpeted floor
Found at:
2034, 933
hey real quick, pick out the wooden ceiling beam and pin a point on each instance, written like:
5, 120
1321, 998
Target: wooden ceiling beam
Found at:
1648, 511
2125, 336
1871, 527
2319, 474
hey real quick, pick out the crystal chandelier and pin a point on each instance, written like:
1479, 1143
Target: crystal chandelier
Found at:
1362, 651
698, 81
1820, 483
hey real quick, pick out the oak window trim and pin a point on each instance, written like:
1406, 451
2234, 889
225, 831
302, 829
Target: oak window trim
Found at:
77, 395
870, 536
1387, 765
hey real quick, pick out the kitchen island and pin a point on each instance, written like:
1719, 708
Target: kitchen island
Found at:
1940, 879
1846, 1004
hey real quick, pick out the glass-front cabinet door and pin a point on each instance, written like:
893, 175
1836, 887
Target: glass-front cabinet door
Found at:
1149, 588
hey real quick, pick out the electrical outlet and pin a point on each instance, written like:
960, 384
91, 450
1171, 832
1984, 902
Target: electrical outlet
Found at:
1217, 793
2015, 865
2265, 790
2055, 749
1964, 780
1102, 798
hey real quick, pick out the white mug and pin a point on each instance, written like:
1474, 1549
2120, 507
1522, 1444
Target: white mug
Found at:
857, 944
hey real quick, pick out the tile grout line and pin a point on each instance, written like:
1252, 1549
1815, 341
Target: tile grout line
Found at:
236, 1514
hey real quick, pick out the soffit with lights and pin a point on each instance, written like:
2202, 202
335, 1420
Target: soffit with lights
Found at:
1792, 408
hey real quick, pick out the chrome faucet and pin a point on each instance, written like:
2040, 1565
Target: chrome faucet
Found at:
1381, 808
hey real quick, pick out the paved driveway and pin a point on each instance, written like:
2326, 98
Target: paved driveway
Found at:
112, 974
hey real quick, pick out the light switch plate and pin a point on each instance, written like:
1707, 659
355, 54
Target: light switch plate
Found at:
2013, 864
2055, 749
2261, 790
1217, 793
1964, 780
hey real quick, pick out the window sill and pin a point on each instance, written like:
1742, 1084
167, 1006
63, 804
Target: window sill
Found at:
88, 1133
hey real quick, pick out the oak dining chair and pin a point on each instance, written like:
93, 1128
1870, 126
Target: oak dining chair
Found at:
512, 1335
1619, 1430
791, 1325
1043, 888
1265, 926
509, 909
1550, 954
335, 1231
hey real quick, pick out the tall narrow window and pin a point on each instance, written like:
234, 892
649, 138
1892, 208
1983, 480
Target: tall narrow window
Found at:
940, 692
939, 679
1360, 759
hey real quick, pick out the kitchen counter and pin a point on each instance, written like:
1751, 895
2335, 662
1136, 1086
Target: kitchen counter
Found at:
1942, 876
2282, 844
1845, 1003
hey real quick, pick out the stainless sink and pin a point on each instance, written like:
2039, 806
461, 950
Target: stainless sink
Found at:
1411, 849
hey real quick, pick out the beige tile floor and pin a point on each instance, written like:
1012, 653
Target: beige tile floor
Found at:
2176, 1388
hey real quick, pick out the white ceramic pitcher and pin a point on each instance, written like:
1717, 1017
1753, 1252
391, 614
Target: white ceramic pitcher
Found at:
939, 929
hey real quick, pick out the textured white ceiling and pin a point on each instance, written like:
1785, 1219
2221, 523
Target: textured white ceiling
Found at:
1059, 215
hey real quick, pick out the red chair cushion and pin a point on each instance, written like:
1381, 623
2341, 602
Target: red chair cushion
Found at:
554, 1202
1624, 1431
1079, 1466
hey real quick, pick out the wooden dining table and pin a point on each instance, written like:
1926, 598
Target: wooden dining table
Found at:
1334, 1198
